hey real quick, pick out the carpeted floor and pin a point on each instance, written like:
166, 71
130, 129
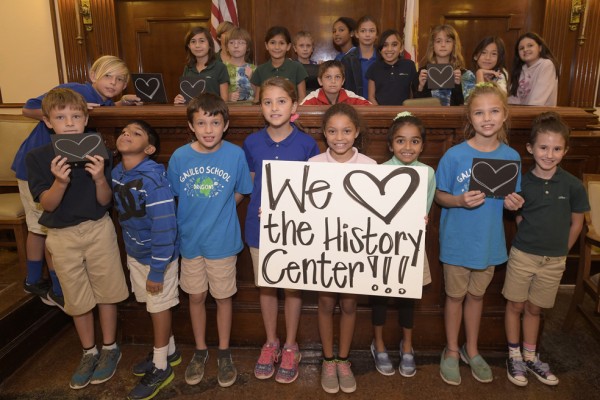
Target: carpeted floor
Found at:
573, 356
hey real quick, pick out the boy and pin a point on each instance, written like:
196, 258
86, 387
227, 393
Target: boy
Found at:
331, 78
209, 176
81, 236
303, 47
146, 209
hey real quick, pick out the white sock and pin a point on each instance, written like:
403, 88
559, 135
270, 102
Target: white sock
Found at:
109, 346
93, 351
160, 357
172, 347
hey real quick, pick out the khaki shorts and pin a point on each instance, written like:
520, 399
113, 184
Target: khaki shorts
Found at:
199, 274
88, 264
460, 280
533, 278
254, 254
426, 271
33, 210
155, 303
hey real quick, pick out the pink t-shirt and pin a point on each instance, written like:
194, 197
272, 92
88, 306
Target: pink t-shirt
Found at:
357, 158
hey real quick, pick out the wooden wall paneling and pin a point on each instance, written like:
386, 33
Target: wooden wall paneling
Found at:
102, 39
76, 57
152, 36
585, 75
475, 20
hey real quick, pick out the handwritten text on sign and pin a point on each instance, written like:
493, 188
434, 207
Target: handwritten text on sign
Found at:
349, 228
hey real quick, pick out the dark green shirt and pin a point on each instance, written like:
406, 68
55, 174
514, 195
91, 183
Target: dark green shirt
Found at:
290, 69
544, 230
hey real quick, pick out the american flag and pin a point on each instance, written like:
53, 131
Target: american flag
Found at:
222, 10
411, 27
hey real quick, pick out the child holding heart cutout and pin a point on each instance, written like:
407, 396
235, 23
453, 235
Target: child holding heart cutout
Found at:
472, 240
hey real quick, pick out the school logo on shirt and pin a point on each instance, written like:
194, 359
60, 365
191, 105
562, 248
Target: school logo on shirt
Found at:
205, 182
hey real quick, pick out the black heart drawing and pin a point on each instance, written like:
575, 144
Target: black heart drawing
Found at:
147, 87
192, 90
410, 190
78, 148
440, 76
493, 178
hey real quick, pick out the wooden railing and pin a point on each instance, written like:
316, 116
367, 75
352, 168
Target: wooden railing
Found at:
444, 127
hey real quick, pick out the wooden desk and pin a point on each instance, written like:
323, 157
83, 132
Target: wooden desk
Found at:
444, 129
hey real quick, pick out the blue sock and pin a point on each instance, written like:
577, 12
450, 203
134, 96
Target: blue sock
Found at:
55, 283
34, 271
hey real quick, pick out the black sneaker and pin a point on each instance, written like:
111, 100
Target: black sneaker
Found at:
151, 383
145, 366
516, 371
56, 300
40, 289
541, 371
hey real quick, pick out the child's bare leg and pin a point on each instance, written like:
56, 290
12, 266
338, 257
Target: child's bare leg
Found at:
325, 313
198, 319
531, 323
107, 314
161, 323
35, 246
268, 308
452, 319
224, 315
293, 307
84, 325
407, 340
472, 315
512, 321
347, 323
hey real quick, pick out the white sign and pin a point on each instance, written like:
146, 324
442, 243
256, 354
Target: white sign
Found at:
346, 228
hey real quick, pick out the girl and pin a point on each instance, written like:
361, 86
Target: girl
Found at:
201, 63
278, 42
548, 226
488, 64
358, 61
109, 76
443, 48
341, 127
469, 217
534, 78
239, 67
392, 79
344, 38
279, 140
406, 137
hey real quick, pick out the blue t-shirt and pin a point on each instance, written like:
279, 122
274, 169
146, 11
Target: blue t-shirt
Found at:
471, 237
259, 146
40, 135
205, 184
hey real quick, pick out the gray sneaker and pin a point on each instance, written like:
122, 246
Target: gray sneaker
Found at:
83, 374
227, 373
107, 365
383, 364
195, 370
407, 366
345, 376
329, 378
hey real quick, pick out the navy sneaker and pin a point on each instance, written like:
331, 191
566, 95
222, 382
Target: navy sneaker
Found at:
40, 289
56, 300
107, 365
141, 368
151, 383
83, 374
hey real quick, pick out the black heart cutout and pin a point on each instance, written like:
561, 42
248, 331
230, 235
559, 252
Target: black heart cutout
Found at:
78, 148
192, 90
380, 184
493, 177
147, 87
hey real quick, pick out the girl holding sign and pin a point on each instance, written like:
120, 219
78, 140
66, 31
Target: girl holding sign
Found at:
341, 127
279, 140
472, 238
443, 50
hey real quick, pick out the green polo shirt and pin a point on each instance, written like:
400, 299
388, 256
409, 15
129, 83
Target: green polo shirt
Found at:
213, 76
290, 69
549, 203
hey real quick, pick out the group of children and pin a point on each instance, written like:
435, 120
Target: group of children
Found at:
376, 68
188, 213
